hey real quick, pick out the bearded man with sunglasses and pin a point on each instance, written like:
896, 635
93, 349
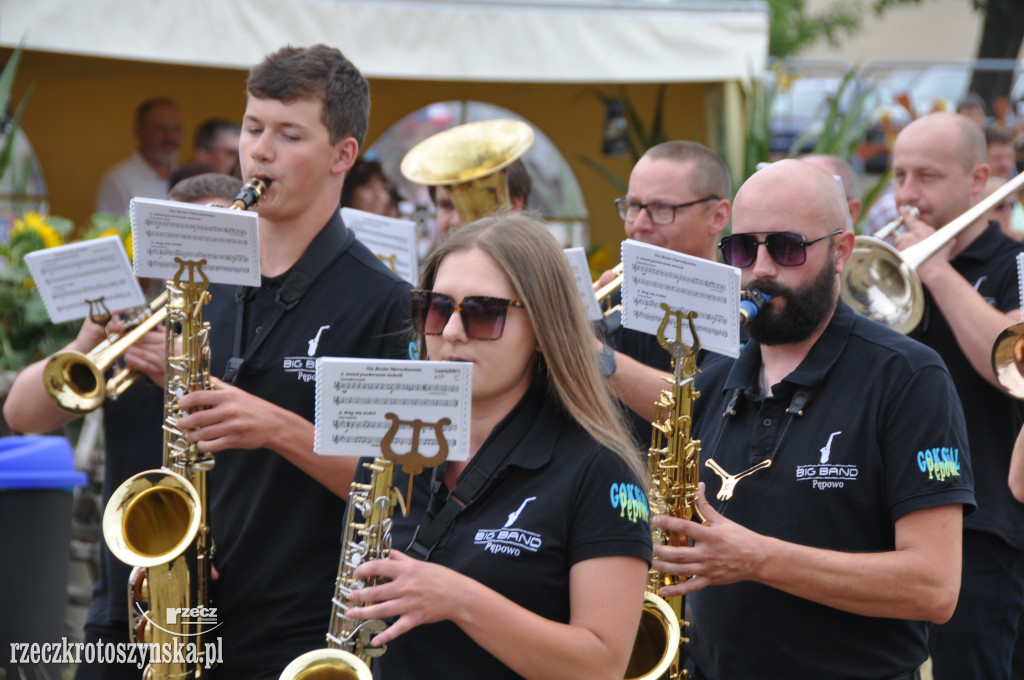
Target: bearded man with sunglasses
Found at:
836, 452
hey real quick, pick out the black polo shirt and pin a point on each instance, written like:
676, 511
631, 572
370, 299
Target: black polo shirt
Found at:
276, 528
993, 417
558, 498
882, 434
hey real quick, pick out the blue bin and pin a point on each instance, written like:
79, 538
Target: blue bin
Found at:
37, 477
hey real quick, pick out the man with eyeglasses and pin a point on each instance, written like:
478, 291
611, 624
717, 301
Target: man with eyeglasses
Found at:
940, 168
678, 199
836, 463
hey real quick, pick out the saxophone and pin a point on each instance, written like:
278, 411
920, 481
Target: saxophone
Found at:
673, 464
348, 653
157, 520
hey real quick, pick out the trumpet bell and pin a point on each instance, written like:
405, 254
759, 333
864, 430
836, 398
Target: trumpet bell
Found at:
469, 160
657, 640
1008, 359
152, 518
74, 382
327, 664
877, 283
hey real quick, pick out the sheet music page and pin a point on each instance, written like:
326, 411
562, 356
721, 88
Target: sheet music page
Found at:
1020, 282
654, 275
392, 240
69, 276
227, 239
366, 405
581, 272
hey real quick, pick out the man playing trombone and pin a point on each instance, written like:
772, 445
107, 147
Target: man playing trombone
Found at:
939, 167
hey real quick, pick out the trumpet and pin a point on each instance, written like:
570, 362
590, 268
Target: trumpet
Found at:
881, 283
895, 225
76, 381
603, 294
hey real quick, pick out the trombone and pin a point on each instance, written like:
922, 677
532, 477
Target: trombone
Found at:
881, 283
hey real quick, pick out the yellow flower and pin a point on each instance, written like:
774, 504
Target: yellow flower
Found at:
34, 222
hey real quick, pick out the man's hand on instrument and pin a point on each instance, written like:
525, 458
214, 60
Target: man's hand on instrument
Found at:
723, 551
915, 230
416, 592
227, 417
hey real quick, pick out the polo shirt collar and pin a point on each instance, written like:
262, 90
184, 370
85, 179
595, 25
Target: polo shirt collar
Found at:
984, 248
744, 374
535, 447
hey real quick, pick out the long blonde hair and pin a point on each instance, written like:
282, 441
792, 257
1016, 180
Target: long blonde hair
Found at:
542, 279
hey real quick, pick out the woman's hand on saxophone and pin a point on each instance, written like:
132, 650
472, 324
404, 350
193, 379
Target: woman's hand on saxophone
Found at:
416, 592
722, 551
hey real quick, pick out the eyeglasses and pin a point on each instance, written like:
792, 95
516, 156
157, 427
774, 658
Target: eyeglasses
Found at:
483, 317
785, 247
658, 212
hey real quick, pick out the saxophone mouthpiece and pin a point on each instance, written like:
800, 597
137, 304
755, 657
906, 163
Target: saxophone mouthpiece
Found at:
751, 304
251, 193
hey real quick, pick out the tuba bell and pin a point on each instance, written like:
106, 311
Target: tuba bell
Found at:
471, 161
881, 283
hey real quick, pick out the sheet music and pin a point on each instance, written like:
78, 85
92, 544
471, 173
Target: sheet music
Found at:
392, 240
1020, 282
581, 272
360, 401
70, 275
654, 275
227, 239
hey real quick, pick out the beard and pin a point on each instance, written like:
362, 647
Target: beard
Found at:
805, 310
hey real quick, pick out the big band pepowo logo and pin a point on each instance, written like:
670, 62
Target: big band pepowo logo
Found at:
509, 540
826, 474
304, 368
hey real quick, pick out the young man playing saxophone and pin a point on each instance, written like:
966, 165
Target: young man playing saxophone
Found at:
275, 509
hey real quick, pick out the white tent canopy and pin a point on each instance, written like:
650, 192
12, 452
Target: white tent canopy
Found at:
598, 41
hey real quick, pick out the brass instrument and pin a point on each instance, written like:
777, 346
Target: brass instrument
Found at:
157, 520
604, 293
470, 160
348, 653
674, 466
895, 225
881, 283
1008, 359
75, 380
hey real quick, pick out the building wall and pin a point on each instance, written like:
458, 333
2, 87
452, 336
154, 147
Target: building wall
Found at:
80, 118
930, 29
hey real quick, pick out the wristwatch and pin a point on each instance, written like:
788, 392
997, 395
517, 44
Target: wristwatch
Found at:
606, 361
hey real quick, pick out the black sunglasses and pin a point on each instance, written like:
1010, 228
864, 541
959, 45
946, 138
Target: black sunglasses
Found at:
483, 317
785, 247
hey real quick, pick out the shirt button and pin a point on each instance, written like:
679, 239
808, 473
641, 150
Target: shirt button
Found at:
259, 329
767, 422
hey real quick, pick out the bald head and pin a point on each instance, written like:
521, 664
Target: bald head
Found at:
790, 195
951, 131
